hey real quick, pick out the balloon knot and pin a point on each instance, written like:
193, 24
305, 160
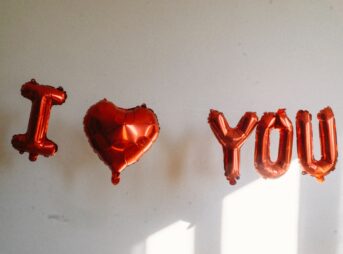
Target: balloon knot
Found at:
115, 178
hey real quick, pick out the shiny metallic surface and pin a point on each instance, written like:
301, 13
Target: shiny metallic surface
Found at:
120, 136
328, 143
263, 163
232, 139
34, 141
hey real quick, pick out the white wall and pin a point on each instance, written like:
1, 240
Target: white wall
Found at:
181, 58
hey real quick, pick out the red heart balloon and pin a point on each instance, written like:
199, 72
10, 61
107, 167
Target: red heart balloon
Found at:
120, 136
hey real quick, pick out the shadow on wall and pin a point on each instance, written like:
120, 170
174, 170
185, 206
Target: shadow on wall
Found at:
5, 140
181, 185
319, 212
75, 158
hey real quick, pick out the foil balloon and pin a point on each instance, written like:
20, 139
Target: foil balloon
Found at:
34, 141
232, 139
263, 163
328, 143
120, 136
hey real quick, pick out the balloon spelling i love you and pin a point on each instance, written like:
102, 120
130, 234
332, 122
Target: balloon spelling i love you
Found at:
120, 136
34, 141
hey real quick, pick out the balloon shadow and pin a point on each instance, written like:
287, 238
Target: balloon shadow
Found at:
6, 149
75, 158
319, 212
179, 184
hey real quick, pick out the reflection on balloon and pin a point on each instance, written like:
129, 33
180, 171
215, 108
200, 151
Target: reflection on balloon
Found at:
263, 163
120, 136
328, 143
232, 139
34, 141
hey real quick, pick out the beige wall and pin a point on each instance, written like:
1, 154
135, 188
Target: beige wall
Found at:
181, 58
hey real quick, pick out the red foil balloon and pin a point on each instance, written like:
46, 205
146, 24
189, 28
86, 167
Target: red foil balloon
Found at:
120, 136
34, 141
232, 139
328, 143
263, 163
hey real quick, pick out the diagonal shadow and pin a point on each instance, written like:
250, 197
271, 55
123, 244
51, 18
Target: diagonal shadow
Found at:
188, 189
319, 212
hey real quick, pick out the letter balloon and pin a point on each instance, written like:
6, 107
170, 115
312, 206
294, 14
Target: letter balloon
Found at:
328, 143
232, 140
263, 163
34, 141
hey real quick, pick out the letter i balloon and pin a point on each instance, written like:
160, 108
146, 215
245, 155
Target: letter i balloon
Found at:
34, 141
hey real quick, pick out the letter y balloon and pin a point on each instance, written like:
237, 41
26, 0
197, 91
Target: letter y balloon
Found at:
232, 139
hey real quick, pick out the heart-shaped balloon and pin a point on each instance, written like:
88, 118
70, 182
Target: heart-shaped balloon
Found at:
120, 136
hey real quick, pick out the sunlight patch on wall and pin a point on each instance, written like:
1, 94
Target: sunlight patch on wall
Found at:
138, 248
262, 217
176, 238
